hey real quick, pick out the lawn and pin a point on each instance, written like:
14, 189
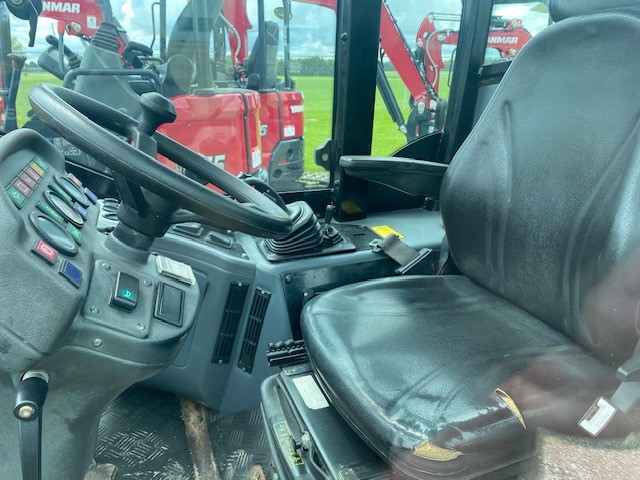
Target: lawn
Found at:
318, 99
28, 80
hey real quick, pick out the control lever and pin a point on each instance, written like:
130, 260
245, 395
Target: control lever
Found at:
73, 60
331, 236
328, 215
156, 110
27, 10
11, 120
30, 396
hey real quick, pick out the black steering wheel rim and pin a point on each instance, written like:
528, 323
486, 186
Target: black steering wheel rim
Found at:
88, 124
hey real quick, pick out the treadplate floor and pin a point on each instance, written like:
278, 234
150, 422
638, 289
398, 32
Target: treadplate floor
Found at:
240, 446
142, 434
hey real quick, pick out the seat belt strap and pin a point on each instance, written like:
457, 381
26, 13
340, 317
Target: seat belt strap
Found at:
625, 399
410, 259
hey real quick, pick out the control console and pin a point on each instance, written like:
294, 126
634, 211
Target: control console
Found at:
84, 311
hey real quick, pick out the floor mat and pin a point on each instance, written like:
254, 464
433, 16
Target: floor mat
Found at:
241, 447
142, 433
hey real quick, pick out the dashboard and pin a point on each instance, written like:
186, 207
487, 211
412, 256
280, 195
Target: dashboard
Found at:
65, 283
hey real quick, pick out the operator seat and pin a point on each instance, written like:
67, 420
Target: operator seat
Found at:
271, 42
450, 376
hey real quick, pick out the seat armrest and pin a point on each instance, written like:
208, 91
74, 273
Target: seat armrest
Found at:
414, 177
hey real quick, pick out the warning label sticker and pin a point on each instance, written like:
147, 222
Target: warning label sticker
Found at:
385, 230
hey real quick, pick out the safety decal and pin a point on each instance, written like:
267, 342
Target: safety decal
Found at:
385, 230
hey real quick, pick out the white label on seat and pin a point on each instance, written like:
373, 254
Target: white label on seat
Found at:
310, 392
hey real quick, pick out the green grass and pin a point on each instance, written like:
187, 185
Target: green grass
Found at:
27, 81
318, 100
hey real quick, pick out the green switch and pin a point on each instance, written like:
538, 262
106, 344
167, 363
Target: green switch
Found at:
75, 233
48, 209
62, 194
17, 196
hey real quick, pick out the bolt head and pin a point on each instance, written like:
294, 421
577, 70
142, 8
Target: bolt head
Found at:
139, 326
94, 309
97, 343
26, 411
106, 266
147, 282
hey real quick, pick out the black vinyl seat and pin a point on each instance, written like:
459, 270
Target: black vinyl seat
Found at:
450, 376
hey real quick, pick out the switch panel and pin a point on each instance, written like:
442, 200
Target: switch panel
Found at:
125, 293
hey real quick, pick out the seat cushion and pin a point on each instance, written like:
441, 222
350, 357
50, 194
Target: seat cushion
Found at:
442, 377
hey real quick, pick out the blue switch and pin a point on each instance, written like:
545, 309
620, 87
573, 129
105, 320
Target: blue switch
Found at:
72, 273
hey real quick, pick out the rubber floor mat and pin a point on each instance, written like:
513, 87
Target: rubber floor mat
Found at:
142, 433
241, 447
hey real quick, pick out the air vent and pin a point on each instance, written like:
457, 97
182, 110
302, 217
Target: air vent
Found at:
230, 322
254, 327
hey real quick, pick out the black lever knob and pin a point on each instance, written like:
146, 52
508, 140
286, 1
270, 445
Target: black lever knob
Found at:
156, 110
328, 215
17, 60
30, 395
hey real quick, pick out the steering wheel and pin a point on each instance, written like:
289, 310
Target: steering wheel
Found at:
88, 124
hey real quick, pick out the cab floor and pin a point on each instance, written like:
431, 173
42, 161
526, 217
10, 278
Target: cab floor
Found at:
142, 433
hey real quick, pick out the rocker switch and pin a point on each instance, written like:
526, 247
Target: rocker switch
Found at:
125, 293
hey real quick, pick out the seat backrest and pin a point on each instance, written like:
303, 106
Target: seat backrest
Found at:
186, 30
541, 204
178, 76
272, 40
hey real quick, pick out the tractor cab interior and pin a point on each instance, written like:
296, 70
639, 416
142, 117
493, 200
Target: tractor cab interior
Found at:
172, 311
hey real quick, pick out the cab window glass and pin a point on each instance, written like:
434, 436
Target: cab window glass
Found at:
249, 103
512, 26
417, 50
303, 84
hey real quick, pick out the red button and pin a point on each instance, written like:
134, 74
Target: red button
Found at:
32, 173
28, 180
20, 185
46, 252
75, 180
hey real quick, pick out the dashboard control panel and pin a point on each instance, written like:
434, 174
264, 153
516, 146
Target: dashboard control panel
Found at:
57, 206
62, 254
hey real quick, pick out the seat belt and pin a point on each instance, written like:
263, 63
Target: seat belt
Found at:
411, 260
625, 399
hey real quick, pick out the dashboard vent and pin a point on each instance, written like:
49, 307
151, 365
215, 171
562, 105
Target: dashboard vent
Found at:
230, 322
254, 327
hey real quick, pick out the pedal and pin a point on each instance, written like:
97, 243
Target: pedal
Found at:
289, 352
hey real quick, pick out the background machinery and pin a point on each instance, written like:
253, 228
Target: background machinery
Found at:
231, 107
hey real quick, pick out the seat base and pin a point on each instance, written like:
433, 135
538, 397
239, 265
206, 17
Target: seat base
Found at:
444, 379
292, 404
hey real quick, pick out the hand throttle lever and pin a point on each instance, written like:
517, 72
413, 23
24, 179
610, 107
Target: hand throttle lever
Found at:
30, 396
